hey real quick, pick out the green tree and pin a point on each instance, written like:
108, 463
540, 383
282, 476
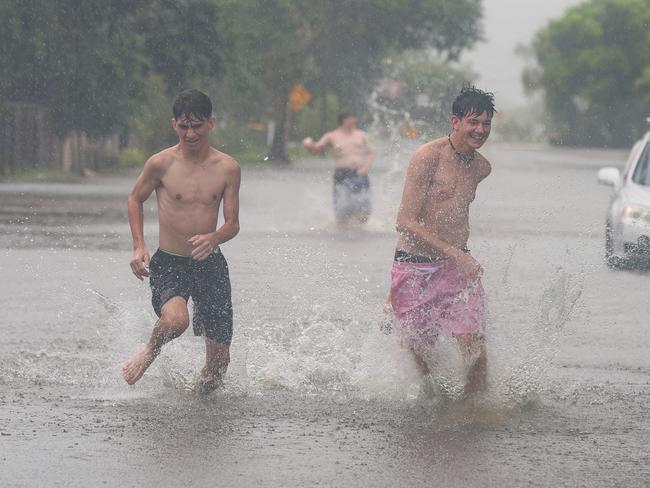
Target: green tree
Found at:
421, 96
181, 41
91, 61
80, 58
593, 66
335, 47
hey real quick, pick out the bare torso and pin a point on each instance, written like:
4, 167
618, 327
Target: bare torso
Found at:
189, 196
449, 192
351, 149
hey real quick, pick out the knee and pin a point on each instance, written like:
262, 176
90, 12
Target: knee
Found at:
177, 321
473, 348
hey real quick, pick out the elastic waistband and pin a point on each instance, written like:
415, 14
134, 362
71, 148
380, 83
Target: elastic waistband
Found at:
173, 253
403, 256
343, 171
185, 256
342, 174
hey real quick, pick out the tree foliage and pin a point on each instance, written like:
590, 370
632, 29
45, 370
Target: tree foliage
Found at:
594, 70
90, 60
334, 47
98, 62
418, 94
81, 58
181, 41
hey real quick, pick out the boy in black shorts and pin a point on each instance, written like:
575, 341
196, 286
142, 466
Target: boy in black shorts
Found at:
191, 181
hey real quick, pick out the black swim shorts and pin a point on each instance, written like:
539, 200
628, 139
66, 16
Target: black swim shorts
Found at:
207, 282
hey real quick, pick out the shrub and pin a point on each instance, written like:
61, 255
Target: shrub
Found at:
132, 157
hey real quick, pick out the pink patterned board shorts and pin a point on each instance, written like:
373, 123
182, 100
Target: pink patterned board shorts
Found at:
429, 298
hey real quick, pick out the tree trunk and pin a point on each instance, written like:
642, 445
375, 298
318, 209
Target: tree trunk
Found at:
278, 150
323, 113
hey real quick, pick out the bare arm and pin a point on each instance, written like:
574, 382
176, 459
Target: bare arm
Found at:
204, 244
322, 144
146, 183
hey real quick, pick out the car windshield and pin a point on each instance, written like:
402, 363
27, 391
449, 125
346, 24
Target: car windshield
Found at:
641, 174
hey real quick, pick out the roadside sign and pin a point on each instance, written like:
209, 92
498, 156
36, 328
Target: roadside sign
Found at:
298, 97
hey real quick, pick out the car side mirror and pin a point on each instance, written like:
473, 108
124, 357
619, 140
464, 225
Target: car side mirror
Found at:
609, 176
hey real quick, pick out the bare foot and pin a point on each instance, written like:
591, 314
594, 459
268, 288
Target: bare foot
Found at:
136, 365
208, 382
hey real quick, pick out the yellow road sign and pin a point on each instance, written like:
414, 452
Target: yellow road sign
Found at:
299, 97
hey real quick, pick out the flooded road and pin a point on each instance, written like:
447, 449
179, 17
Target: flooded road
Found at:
316, 395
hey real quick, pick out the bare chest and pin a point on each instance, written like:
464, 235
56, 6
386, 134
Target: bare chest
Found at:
453, 183
348, 143
198, 187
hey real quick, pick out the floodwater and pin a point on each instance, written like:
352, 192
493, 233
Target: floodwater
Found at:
316, 395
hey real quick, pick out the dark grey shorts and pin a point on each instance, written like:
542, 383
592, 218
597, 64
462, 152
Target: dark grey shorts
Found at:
351, 194
206, 282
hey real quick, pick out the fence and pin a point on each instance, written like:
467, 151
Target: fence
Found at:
29, 140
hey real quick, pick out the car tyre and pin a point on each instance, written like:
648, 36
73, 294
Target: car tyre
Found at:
612, 261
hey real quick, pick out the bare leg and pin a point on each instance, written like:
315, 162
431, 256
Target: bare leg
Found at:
427, 388
171, 324
473, 348
422, 365
343, 223
217, 358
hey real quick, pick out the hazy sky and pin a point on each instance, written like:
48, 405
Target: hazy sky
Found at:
508, 23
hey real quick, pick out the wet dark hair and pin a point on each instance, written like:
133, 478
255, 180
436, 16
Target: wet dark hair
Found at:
471, 100
344, 115
192, 103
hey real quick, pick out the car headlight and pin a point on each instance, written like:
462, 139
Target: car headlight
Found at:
635, 214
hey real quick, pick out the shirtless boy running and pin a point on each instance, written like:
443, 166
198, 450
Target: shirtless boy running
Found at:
435, 282
353, 156
191, 180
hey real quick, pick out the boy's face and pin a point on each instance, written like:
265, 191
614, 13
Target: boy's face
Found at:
349, 123
193, 131
473, 129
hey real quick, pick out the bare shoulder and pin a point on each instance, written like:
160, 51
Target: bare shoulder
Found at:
484, 166
226, 162
429, 153
160, 162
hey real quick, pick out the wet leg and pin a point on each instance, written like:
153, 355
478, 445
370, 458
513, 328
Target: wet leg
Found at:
343, 223
421, 364
173, 321
427, 388
217, 358
473, 349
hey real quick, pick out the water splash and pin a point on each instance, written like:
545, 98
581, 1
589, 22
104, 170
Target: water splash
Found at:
326, 347
525, 344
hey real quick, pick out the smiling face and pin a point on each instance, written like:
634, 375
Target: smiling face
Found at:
473, 130
193, 132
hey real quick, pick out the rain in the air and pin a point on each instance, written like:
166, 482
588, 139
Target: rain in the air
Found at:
337, 243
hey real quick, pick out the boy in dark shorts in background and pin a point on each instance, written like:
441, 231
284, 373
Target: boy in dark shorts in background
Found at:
353, 156
191, 181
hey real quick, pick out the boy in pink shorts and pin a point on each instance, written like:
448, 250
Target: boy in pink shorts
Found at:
435, 282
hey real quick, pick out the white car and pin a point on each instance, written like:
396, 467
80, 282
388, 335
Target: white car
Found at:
627, 228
